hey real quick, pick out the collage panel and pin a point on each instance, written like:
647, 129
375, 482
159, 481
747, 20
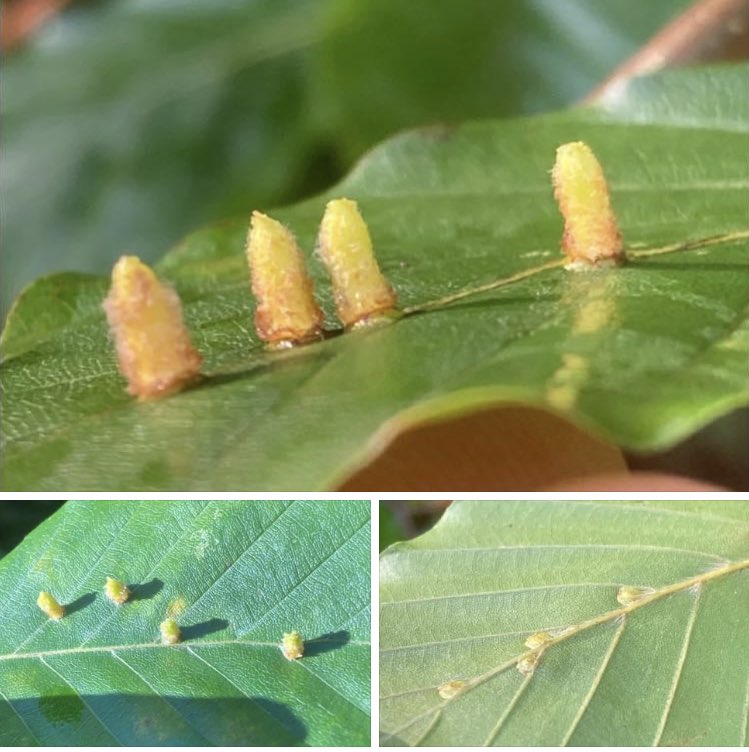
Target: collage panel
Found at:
185, 623
473, 274
542, 622
368, 246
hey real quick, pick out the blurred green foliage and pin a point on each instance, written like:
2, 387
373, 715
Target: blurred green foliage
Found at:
129, 122
391, 528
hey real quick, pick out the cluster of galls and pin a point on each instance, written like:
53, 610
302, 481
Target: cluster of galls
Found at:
154, 349
292, 643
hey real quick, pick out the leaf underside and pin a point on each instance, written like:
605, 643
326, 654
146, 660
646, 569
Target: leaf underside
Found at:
235, 576
460, 601
643, 355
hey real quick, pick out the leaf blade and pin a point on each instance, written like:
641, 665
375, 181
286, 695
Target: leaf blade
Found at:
642, 356
643, 676
234, 575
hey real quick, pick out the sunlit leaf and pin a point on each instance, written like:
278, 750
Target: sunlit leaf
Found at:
642, 356
234, 575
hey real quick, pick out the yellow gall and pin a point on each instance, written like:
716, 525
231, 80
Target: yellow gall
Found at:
116, 590
154, 350
538, 639
292, 646
527, 665
362, 294
450, 689
286, 312
591, 234
50, 606
629, 594
170, 632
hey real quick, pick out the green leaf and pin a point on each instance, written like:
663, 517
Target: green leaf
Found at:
671, 669
391, 527
235, 575
126, 125
642, 355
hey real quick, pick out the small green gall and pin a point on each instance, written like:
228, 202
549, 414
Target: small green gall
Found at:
628, 594
170, 632
292, 646
116, 590
538, 639
450, 689
48, 603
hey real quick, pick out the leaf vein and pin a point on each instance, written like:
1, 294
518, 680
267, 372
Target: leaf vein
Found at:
159, 696
275, 720
679, 668
21, 718
309, 574
596, 682
69, 594
84, 703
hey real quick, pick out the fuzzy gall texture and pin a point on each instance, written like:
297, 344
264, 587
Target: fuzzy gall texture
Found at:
170, 632
629, 594
450, 689
292, 646
50, 606
361, 291
154, 350
116, 590
538, 639
286, 312
526, 666
591, 234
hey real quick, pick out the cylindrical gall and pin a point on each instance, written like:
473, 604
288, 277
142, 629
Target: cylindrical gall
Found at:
292, 646
451, 689
116, 590
591, 234
628, 594
48, 603
537, 639
361, 291
286, 312
154, 350
170, 632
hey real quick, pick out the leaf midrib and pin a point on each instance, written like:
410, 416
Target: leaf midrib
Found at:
158, 646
